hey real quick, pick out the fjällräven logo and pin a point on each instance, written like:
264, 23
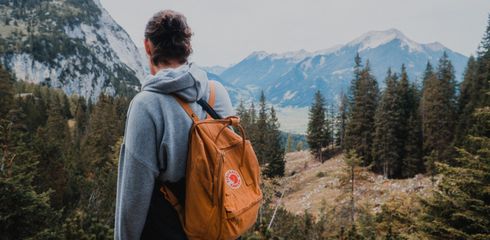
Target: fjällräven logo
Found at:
233, 179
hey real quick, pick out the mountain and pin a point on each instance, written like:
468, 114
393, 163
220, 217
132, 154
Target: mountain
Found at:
291, 79
215, 69
69, 44
261, 69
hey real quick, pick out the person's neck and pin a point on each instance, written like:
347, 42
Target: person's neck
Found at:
161, 66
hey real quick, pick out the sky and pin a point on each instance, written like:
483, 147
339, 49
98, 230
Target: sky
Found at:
226, 31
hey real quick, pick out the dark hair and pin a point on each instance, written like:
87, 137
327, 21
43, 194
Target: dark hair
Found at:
170, 35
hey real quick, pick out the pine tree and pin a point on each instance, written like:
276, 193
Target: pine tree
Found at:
484, 48
26, 211
412, 162
51, 143
81, 118
315, 133
342, 119
438, 109
472, 90
387, 143
349, 180
260, 142
467, 100
360, 129
97, 162
459, 206
354, 86
66, 109
252, 131
406, 105
327, 129
276, 165
410, 133
6, 92
244, 115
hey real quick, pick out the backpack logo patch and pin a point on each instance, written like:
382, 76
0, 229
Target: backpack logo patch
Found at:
233, 179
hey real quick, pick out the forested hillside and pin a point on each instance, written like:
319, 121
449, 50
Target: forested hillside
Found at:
59, 161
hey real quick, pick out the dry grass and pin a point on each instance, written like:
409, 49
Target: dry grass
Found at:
310, 182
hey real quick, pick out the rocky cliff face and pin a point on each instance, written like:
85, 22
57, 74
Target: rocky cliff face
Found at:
74, 45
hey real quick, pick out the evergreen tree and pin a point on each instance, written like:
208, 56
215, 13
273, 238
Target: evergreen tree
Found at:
260, 142
342, 119
412, 162
361, 128
6, 92
467, 100
66, 109
243, 114
438, 109
354, 86
484, 48
51, 143
328, 128
97, 161
81, 118
387, 143
459, 206
410, 133
406, 106
26, 212
315, 133
252, 131
349, 180
276, 165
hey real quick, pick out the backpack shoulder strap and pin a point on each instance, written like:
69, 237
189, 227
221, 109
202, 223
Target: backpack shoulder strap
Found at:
207, 106
187, 108
212, 94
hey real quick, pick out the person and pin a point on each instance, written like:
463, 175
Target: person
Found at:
154, 150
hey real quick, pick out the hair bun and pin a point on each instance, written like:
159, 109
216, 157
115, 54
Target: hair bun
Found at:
170, 35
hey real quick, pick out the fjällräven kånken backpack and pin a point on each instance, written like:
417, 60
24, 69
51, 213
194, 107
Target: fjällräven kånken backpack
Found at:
222, 192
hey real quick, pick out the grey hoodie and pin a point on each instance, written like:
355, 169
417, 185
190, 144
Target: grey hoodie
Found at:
156, 140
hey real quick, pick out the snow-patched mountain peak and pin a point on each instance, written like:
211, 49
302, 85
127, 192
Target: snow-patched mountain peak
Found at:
329, 50
374, 39
258, 55
295, 56
294, 83
435, 46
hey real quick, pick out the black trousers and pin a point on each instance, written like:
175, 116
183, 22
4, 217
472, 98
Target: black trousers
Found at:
162, 221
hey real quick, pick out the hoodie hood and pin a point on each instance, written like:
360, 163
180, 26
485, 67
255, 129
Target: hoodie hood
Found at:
188, 81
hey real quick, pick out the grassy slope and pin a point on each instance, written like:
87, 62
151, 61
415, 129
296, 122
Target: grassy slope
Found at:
309, 183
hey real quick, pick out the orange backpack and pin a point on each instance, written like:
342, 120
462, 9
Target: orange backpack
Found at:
222, 178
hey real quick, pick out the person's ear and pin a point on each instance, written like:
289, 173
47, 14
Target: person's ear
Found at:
148, 47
